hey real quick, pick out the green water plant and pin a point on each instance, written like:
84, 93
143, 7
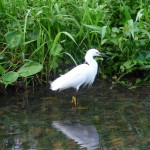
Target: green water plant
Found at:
28, 69
47, 32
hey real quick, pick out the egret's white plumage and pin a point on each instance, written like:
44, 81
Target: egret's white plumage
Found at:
83, 74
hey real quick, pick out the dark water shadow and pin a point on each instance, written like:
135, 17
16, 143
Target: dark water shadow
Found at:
116, 119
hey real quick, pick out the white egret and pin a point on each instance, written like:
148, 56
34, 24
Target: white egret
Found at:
83, 74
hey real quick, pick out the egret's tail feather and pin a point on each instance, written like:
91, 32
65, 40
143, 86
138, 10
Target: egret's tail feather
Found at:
56, 85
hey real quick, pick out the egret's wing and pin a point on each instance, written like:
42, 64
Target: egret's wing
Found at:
74, 78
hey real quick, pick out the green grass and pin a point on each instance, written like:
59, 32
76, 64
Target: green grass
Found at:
45, 31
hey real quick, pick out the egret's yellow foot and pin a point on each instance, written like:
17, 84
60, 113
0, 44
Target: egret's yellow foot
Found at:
74, 101
75, 104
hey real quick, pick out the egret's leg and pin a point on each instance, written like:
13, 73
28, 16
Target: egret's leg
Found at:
74, 101
75, 104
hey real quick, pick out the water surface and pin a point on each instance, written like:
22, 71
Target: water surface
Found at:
117, 119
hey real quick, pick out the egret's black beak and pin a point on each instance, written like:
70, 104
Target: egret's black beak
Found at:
104, 55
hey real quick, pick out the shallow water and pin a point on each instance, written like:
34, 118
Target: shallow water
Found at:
117, 119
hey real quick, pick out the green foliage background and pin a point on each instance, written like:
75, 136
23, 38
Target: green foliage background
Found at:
41, 37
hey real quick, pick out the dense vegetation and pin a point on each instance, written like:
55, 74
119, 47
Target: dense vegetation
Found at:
41, 37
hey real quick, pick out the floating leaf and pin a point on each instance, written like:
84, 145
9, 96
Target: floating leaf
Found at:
29, 69
14, 38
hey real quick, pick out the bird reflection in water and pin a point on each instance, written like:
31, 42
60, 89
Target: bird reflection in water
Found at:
84, 135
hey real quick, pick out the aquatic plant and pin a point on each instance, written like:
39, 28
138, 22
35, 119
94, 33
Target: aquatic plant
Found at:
44, 33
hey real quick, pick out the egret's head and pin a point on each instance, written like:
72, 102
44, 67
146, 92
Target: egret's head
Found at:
92, 53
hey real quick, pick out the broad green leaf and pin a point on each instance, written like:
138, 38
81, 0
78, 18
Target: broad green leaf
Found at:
116, 30
146, 32
114, 41
104, 41
57, 50
29, 69
122, 68
55, 43
138, 80
70, 36
140, 62
140, 57
126, 13
144, 55
1, 56
145, 67
39, 12
54, 63
14, 38
2, 70
33, 35
57, 39
131, 23
139, 15
97, 28
147, 56
128, 64
9, 77
103, 32
71, 58
131, 27
56, 7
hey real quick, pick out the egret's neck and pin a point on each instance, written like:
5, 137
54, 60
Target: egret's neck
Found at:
88, 58
93, 67
91, 62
